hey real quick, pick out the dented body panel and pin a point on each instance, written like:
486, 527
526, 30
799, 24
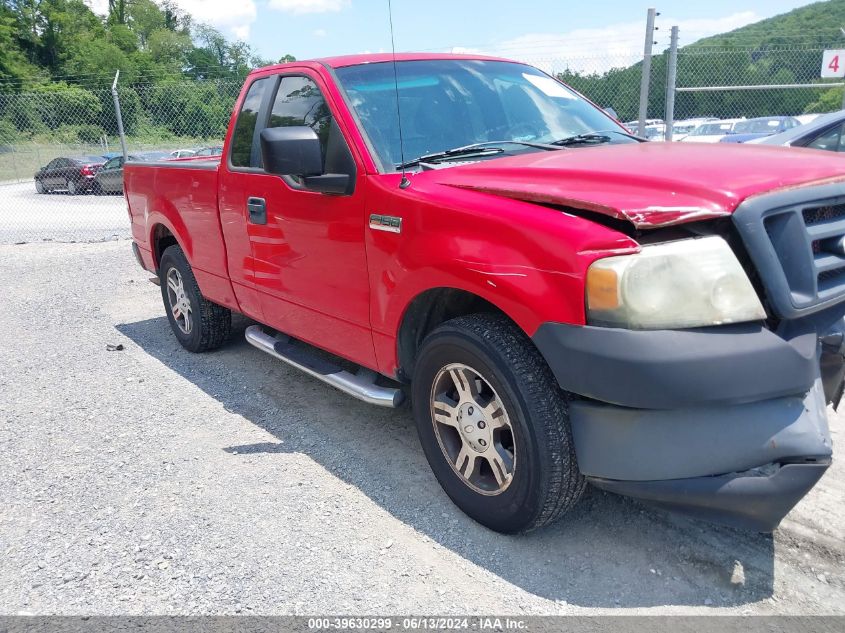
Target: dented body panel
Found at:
650, 185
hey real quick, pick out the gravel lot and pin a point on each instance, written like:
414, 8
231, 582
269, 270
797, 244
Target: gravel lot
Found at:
27, 216
151, 480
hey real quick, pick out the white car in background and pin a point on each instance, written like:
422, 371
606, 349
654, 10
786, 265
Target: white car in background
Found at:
183, 153
803, 119
634, 126
711, 132
682, 128
655, 132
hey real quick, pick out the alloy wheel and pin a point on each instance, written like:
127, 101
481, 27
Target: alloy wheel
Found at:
180, 304
473, 429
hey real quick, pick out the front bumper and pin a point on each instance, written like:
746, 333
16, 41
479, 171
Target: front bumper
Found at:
727, 424
754, 500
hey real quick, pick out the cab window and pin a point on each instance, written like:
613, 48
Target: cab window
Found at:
300, 102
242, 137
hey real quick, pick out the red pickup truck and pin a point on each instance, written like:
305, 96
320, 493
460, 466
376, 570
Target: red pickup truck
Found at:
561, 302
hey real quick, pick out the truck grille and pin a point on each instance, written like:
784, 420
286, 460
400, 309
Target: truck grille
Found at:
800, 251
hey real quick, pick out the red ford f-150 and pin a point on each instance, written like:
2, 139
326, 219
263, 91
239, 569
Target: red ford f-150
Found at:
561, 302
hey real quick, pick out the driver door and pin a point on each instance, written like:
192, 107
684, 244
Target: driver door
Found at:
310, 267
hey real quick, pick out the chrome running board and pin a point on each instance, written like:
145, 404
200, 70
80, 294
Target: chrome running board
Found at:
361, 385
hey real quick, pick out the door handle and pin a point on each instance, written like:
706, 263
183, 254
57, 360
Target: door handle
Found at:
257, 208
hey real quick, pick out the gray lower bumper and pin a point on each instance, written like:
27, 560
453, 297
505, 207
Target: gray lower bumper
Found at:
755, 500
727, 424
647, 444
743, 465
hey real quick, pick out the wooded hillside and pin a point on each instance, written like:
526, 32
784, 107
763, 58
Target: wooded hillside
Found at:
785, 49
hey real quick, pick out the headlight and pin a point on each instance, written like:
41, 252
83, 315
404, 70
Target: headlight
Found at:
683, 284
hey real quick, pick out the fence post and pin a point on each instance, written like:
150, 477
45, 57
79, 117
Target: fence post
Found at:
15, 165
646, 77
671, 83
118, 115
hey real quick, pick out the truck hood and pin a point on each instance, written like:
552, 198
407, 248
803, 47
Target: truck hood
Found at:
648, 184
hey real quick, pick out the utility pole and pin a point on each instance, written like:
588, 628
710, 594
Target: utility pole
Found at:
646, 77
119, 116
671, 82
842, 29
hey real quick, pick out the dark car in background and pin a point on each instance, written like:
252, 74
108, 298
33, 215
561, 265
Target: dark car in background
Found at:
760, 127
216, 150
74, 174
109, 178
826, 132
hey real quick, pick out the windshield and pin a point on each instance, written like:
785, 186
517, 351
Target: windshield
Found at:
712, 129
89, 159
757, 126
453, 103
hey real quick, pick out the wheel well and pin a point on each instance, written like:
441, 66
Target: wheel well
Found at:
162, 238
426, 312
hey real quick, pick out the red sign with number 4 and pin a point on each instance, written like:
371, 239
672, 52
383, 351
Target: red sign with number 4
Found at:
833, 64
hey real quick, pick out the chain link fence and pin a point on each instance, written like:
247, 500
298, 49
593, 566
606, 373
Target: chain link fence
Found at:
69, 121
57, 141
749, 83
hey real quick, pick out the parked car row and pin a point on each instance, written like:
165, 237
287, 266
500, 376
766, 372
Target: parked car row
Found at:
806, 130
824, 132
713, 130
103, 173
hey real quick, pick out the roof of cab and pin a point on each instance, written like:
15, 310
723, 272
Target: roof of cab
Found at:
375, 58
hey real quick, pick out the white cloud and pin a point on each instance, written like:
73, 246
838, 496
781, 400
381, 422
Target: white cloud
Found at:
599, 49
234, 19
319, 33
100, 7
309, 6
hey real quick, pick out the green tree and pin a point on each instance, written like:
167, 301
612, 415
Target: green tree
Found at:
145, 18
14, 66
118, 11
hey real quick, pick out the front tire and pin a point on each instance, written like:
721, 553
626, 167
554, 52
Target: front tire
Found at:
199, 324
494, 424
39, 187
71, 187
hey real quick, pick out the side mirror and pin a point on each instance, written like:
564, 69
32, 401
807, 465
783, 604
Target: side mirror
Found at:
296, 151
291, 151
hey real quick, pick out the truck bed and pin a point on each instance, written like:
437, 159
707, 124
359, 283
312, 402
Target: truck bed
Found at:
180, 197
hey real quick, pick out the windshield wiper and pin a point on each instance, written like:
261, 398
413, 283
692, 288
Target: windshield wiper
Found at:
591, 138
594, 138
485, 148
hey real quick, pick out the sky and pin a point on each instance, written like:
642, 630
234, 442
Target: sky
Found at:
591, 35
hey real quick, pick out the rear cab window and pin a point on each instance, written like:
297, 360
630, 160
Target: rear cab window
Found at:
241, 154
300, 102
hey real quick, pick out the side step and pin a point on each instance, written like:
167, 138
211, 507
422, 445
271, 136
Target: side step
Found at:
361, 385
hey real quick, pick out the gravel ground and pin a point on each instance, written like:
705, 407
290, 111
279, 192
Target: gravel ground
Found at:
154, 481
27, 216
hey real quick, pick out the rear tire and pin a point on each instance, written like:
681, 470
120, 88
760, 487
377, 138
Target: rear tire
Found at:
71, 187
97, 189
509, 415
199, 324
